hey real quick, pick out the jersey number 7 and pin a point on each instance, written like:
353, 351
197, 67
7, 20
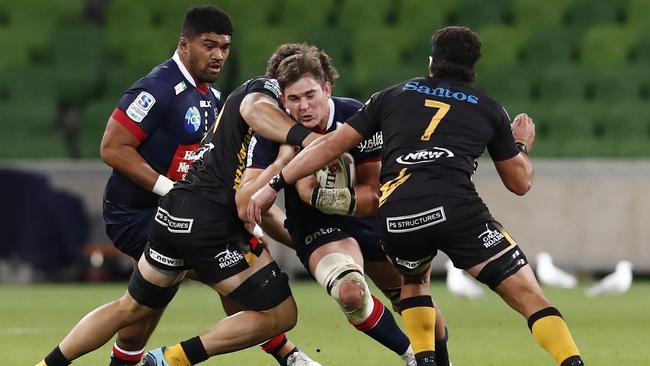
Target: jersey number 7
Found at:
443, 108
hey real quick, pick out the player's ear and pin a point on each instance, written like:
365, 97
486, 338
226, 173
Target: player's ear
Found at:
327, 89
183, 44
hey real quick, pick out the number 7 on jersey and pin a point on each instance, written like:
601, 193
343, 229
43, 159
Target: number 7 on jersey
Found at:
443, 108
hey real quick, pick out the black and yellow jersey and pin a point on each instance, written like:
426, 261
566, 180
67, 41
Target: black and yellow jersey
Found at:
221, 160
433, 131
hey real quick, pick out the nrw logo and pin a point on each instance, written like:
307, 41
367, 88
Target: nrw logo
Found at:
228, 258
425, 156
491, 237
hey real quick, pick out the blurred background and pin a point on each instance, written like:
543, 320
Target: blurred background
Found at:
580, 68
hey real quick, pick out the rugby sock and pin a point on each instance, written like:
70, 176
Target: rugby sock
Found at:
381, 326
442, 355
419, 318
120, 357
273, 347
186, 353
551, 332
55, 358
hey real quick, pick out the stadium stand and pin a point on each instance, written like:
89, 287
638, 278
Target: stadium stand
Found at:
563, 60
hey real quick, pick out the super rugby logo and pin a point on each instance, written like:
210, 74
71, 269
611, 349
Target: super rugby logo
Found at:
228, 258
425, 156
174, 224
140, 106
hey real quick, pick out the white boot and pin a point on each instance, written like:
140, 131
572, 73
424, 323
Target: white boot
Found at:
300, 358
409, 357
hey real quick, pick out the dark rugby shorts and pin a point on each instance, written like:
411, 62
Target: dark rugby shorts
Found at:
313, 231
413, 231
127, 228
191, 232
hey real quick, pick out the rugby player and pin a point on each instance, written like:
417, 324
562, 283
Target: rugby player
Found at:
434, 129
333, 247
224, 256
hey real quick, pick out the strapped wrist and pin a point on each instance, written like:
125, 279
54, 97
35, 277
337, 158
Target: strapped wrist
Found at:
162, 185
278, 182
335, 201
297, 134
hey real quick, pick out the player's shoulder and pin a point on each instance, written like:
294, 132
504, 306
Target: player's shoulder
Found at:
162, 79
346, 105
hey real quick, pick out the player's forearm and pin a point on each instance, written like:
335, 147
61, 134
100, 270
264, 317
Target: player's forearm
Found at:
271, 122
315, 156
367, 200
252, 182
129, 162
273, 225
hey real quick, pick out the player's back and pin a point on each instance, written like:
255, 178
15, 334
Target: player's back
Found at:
433, 132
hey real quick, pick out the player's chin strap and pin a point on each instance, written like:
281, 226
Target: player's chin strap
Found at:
335, 201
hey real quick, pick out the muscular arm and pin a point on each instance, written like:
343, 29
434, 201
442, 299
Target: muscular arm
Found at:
118, 150
262, 113
367, 188
517, 172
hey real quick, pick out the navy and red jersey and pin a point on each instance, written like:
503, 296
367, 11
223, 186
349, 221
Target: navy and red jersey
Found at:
169, 114
434, 130
217, 171
263, 153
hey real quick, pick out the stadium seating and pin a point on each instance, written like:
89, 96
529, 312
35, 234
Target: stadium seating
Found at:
572, 63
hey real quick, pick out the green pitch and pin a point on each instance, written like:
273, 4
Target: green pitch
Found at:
608, 330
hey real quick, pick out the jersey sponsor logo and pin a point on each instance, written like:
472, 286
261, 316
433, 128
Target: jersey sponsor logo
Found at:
320, 232
141, 106
424, 156
241, 158
192, 119
184, 156
178, 88
411, 264
205, 103
491, 237
440, 92
273, 86
372, 144
228, 258
414, 222
174, 224
168, 261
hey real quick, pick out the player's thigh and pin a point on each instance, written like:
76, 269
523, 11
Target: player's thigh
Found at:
383, 274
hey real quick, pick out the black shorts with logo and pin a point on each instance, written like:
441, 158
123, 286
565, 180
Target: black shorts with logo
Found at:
311, 231
191, 232
413, 230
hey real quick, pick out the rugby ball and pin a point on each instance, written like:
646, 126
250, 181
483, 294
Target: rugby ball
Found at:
341, 177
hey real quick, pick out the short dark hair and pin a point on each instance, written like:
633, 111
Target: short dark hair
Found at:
206, 19
454, 52
291, 61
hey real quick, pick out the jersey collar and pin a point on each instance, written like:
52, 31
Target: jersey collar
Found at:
203, 88
330, 120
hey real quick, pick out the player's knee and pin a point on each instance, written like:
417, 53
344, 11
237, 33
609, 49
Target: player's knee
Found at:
344, 281
503, 267
350, 295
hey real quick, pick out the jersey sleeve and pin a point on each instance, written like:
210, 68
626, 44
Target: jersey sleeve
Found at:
143, 108
366, 120
502, 146
261, 152
369, 149
267, 86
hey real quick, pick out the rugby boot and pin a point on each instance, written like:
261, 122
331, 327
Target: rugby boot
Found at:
155, 357
300, 358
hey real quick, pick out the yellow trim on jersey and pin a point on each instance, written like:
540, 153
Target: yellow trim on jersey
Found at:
388, 187
506, 234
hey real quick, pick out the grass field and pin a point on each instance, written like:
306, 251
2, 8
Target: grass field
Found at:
609, 330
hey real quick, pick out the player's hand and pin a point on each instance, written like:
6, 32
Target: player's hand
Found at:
334, 165
260, 202
523, 130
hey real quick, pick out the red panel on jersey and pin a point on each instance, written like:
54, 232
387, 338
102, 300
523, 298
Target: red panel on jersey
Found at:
130, 124
181, 161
